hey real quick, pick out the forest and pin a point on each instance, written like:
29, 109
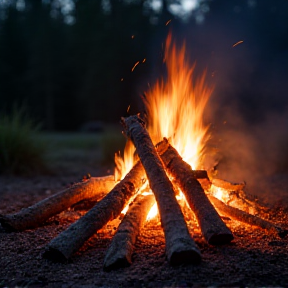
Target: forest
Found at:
70, 61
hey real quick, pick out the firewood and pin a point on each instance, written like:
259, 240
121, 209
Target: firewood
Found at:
38, 213
203, 178
180, 247
213, 228
228, 185
119, 253
61, 248
244, 217
233, 194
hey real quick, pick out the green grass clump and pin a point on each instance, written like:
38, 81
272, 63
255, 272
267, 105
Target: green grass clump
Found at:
21, 152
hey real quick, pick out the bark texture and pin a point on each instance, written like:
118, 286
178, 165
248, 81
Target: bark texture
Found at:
61, 248
180, 247
227, 185
38, 213
213, 228
119, 253
246, 217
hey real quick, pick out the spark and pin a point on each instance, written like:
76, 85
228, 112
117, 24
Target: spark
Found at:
237, 43
128, 108
135, 65
144, 60
168, 22
133, 36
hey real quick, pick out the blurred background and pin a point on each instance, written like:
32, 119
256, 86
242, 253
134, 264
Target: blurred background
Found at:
71, 64
70, 61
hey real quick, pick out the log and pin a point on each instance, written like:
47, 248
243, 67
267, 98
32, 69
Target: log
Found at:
213, 228
203, 178
180, 247
244, 217
61, 248
233, 194
228, 185
37, 214
119, 253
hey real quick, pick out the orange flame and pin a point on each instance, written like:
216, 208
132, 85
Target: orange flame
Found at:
124, 165
175, 108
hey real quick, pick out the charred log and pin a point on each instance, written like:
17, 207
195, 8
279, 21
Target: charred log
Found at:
180, 247
119, 253
228, 185
244, 217
61, 248
233, 195
213, 228
38, 213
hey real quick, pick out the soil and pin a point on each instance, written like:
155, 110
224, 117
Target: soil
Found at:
254, 258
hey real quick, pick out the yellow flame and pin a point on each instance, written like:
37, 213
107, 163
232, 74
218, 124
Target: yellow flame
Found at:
175, 108
125, 209
124, 165
218, 192
153, 212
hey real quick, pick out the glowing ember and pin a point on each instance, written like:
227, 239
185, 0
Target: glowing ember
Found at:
168, 22
135, 65
124, 211
237, 43
175, 108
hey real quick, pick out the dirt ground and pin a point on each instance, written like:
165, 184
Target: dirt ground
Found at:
255, 258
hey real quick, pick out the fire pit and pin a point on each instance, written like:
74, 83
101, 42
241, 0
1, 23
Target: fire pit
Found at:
198, 214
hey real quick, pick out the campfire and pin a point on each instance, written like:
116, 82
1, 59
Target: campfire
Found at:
165, 178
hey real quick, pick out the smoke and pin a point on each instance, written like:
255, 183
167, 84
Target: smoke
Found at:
256, 153
248, 110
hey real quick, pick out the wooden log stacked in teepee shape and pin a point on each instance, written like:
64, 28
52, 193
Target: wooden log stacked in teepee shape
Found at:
213, 228
119, 253
244, 217
61, 248
38, 213
180, 247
